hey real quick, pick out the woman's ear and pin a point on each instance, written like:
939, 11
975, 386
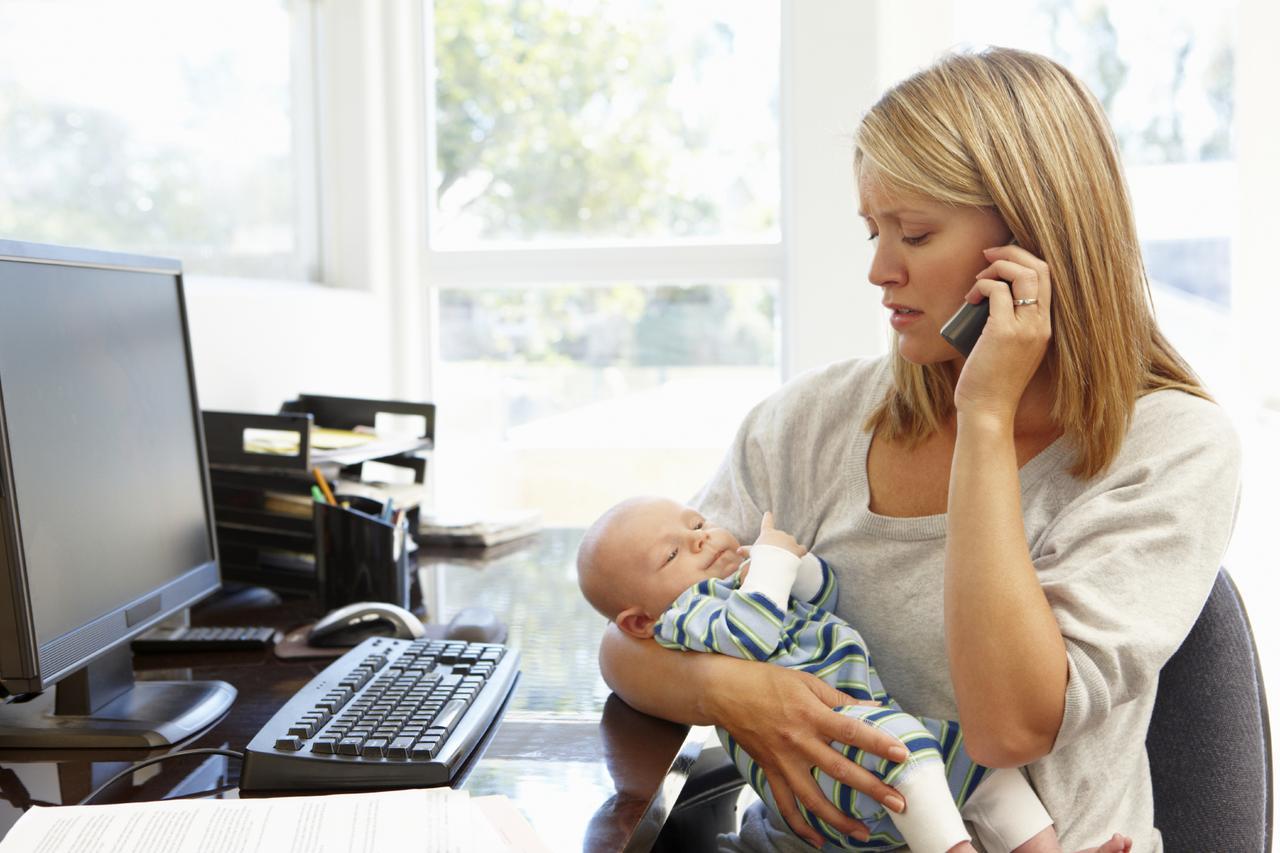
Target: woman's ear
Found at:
636, 622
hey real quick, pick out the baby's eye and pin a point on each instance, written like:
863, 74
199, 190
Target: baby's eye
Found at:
670, 556
701, 524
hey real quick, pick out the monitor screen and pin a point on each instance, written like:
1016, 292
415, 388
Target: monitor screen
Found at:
107, 493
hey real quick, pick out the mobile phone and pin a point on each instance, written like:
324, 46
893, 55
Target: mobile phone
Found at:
965, 326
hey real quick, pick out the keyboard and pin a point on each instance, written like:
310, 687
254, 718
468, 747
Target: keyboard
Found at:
389, 713
204, 639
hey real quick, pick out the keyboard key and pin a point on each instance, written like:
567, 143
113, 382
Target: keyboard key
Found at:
398, 749
451, 713
373, 748
350, 745
324, 745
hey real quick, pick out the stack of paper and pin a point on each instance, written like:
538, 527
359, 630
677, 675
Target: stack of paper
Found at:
435, 820
483, 529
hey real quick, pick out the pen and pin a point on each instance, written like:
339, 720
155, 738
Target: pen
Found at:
324, 487
317, 494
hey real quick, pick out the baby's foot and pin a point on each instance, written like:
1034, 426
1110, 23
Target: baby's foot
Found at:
1116, 844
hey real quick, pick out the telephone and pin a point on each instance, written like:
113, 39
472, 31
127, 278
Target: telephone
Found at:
964, 327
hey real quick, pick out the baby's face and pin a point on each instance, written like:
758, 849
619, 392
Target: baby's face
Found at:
670, 548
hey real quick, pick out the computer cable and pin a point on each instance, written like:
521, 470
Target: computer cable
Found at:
230, 753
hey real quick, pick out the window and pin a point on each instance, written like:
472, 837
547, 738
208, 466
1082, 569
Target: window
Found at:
604, 245
559, 120
1167, 83
126, 126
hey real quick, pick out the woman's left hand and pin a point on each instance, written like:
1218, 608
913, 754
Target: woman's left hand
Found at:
1014, 341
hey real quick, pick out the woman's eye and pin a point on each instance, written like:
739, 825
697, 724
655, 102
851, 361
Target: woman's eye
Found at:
872, 236
914, 241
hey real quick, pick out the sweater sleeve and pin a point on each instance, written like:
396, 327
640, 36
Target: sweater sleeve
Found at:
739, 492
1128, 564
782, 442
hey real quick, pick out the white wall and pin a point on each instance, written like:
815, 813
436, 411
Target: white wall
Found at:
257, 344
838, 60
829, 311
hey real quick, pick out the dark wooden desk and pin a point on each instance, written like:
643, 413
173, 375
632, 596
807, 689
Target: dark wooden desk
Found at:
587, 771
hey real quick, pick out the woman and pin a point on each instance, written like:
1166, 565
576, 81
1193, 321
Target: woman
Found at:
1025, 535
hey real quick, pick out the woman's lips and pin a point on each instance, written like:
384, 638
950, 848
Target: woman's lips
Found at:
902, 319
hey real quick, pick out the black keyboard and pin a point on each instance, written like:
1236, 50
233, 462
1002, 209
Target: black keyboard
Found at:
387, 714
204, 638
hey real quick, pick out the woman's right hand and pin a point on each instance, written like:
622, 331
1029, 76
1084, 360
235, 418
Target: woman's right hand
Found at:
784, 720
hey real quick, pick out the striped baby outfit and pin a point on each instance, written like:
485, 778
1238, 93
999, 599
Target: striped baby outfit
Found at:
718, 616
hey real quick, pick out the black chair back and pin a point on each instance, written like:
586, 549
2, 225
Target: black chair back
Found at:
1210, 739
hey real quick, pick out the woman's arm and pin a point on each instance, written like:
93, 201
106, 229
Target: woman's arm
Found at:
1006, 652
782, 718
1007, 656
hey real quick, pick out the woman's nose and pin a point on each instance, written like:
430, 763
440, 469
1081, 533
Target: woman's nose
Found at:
886, 267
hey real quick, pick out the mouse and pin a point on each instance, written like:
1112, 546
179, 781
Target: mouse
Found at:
476, 625
234, 597
349, 625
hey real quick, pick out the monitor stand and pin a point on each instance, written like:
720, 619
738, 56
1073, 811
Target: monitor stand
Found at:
102, 706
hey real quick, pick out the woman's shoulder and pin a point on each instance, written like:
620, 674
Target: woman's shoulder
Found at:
848, 388
1172, 421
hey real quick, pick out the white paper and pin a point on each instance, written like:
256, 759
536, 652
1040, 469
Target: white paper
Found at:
504, 828
436, 820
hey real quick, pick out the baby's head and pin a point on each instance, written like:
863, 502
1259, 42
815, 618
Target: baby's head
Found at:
641, 554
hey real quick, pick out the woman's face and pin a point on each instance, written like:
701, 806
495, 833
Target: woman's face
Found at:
927, 257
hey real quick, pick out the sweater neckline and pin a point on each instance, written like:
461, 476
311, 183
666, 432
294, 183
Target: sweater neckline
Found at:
921, 527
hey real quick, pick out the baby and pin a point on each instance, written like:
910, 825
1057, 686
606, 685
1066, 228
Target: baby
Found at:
658, 569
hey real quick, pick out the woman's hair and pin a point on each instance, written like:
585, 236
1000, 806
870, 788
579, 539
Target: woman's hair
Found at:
1017, 133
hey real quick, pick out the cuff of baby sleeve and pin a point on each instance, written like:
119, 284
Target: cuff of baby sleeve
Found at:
772, 573
808, 578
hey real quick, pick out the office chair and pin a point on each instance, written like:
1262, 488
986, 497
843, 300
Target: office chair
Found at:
1209, 744
1210, 739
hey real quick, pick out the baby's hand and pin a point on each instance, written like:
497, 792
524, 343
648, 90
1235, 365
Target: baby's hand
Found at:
769, 535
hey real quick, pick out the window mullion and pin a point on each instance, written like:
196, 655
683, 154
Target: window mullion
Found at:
567, 265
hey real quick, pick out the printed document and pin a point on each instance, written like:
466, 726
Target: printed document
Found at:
435, 820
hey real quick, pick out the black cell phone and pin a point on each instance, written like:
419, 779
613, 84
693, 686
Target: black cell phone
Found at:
965, 326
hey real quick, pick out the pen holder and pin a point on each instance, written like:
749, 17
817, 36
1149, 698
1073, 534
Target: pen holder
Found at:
359, 557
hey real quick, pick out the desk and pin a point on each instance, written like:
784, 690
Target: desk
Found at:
588, 772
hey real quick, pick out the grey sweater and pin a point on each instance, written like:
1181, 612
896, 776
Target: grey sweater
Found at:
1126, 560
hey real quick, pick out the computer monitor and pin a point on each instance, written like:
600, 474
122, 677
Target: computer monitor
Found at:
106, 523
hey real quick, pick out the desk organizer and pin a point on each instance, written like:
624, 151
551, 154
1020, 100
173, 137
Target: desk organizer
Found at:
359, 556
262, 501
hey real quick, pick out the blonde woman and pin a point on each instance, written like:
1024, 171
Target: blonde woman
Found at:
1024, 535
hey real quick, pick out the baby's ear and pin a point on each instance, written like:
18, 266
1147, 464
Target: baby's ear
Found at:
636, 622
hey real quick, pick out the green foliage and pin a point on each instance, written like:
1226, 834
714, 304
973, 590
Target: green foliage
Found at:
76, 175
1083, 37
554, 120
